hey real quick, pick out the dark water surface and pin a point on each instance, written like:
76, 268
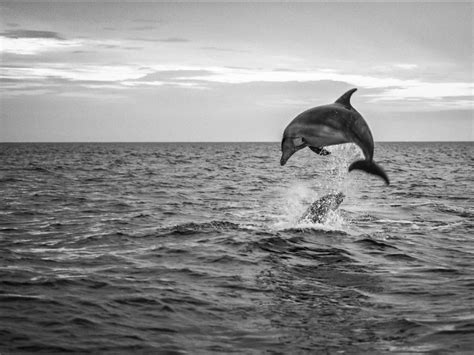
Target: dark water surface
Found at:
195, 248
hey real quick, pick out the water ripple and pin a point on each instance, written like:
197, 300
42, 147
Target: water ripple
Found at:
196, 248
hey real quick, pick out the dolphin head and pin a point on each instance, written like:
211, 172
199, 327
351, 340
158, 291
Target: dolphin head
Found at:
289, 146
287, 150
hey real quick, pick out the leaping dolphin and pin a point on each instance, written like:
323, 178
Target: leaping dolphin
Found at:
332, 124
318, 211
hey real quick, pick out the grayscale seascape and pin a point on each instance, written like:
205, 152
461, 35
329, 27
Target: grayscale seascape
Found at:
181, 178
195, 248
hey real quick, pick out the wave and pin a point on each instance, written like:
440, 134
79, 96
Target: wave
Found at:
194, 228
397, 221
400, 257
8, 179
465, 212
205, 250
374, 244
54, 282
445, 226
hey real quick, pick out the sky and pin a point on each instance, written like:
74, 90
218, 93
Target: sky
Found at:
134, 72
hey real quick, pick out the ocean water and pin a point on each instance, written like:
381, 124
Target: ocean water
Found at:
195, 248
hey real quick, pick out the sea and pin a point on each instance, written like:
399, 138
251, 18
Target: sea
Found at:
196, 248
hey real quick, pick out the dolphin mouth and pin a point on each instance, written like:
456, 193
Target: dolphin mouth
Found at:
285, 156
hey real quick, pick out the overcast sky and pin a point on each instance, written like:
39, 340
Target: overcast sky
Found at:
231, 72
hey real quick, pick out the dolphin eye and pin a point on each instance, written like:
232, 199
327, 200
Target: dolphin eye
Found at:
298, 141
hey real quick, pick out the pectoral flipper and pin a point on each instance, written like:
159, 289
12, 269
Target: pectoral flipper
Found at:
320, 150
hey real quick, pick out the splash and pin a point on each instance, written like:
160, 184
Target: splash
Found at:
296, 198
333, 222
294, 201
336, 173
332, 178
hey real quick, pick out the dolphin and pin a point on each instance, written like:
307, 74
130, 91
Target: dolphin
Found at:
317, 212
332, 124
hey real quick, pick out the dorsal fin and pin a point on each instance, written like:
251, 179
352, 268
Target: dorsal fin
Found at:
345, 100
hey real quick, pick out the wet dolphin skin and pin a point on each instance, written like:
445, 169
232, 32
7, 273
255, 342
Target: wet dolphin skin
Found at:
332, 124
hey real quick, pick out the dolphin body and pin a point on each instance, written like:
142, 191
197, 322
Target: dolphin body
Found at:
318, 211
332, 124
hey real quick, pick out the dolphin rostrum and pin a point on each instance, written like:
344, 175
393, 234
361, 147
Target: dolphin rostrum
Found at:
332, 124
318, 211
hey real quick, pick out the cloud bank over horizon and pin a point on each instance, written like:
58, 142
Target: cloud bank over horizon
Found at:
152, 66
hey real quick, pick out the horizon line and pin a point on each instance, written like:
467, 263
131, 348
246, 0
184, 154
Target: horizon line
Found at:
191, 142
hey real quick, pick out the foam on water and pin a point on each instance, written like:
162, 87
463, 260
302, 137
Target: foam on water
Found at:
294, 201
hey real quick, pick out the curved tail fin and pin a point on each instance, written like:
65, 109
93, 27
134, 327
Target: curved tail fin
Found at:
369, 166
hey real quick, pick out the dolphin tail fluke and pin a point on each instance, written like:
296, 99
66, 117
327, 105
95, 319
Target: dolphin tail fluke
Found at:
369, 166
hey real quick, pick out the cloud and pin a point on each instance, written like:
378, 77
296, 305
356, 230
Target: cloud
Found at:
394, 88
433, 94
394, 67
220, 49
30, 42
12, 86
32, 46
31, 34
183, 74
109, 46
165, 40
174, 76
423, 90
406, 66
78, 73
94, 95
436, 95
36, 42
187, 85
173, 40
132, 48
143, 28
